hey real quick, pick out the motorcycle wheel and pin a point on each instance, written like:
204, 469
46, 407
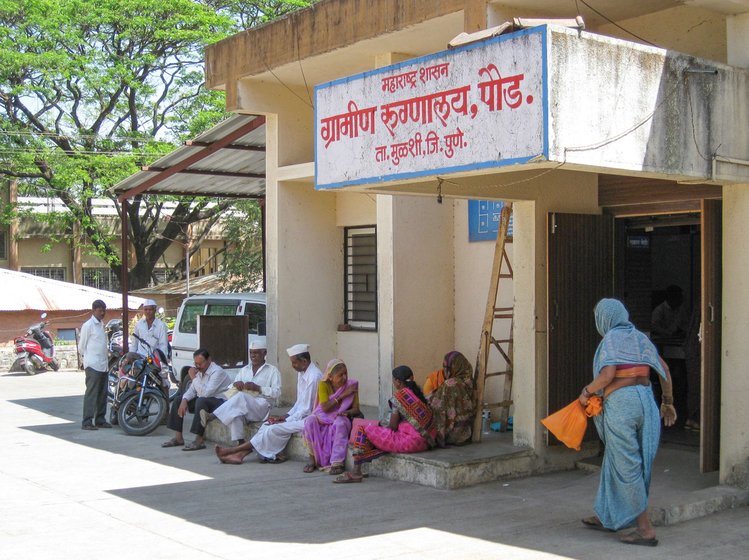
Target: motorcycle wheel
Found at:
55, 364
29, 367
139, 421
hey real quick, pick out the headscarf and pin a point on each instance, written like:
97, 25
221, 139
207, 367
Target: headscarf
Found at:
622, 343
330, 368
458, 366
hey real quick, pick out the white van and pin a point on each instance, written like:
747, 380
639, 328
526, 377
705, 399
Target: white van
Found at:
185, 336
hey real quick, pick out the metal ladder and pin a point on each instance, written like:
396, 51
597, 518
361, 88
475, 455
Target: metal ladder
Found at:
488, 341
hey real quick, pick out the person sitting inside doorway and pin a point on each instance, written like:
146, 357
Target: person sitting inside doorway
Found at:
669, 325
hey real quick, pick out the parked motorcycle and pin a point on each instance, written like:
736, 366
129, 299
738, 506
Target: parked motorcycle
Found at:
35, 351
140, 396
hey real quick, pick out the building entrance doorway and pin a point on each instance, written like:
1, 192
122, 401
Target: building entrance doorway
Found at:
658, 276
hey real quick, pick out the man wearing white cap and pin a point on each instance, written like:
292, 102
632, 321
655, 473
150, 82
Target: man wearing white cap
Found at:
152, 330
272, 437
251, 396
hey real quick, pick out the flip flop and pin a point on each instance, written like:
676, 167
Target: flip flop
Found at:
336, 470
309, 468
594, 523
278, 460
193, 446
347, 478
173, 443
636, 538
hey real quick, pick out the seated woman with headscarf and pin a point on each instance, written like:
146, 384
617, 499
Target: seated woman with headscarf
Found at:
452, 401
326, 430
411, 427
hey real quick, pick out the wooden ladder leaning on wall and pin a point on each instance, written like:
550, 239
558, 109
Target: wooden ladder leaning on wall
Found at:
488, 341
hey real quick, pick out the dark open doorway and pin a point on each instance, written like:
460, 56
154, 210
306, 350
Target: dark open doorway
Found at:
657, 257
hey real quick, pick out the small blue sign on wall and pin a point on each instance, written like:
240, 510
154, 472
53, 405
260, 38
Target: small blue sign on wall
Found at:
483, 220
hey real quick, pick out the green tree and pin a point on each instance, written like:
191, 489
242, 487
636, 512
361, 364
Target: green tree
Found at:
243, 270
92, 90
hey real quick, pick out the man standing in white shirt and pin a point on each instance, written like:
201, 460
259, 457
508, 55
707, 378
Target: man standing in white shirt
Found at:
257, 386
92, 345
206, 392
272, 437
152, 330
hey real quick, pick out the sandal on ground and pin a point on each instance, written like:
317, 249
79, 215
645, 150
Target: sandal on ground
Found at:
193, 446
347, 478
309, 468
594, 523
173, 443
635, 537
279, 459
336, 470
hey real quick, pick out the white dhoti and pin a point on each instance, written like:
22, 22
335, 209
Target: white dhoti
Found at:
241, 408
271, 439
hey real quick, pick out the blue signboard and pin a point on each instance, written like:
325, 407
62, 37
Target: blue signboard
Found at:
483, 220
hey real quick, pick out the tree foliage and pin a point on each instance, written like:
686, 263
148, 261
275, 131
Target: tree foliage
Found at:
92, 90
244, 253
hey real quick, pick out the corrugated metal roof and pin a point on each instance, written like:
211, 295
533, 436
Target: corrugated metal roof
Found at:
21, 291
236, 170
206, 284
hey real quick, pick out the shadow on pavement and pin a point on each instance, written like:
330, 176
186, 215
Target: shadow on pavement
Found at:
279, 503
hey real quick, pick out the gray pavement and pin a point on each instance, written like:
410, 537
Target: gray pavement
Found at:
76, 494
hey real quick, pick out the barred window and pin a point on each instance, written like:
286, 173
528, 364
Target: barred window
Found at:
360, 266
52, 272
101, 278
3, 246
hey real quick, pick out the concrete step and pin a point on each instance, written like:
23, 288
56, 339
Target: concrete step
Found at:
455, 467
683, 493
434, 469
219, 433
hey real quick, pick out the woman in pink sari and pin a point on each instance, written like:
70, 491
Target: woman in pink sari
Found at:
411, 428
326, 430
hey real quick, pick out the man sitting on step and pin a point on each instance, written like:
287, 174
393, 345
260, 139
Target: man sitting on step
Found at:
272, 437
252, 395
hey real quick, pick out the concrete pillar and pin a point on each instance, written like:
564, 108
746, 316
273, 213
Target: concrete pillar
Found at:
415, 286
734, 441
734, 414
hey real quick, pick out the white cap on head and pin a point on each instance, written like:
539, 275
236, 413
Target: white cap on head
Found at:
258, 343
297, 349
149, 303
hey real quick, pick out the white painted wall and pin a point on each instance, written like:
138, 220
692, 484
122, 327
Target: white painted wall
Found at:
645, 109
415, 286
473, 267
359, 349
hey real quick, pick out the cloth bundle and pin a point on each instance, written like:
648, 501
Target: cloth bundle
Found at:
569, 423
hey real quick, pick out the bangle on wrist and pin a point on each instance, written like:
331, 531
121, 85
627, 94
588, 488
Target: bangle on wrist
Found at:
586, 393
667, 400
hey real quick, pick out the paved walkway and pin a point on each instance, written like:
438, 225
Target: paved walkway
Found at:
79, 495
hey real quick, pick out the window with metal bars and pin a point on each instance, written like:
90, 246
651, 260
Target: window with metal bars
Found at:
360, 270
3, 246
53, 272
101, 278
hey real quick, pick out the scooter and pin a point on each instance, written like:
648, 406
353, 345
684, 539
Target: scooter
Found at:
35, 351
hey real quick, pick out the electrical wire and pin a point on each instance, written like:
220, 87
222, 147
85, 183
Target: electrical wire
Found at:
612, 22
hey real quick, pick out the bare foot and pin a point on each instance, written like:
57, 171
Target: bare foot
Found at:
222, 451
235, 459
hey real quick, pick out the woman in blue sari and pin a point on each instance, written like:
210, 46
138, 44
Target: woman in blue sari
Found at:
629, 425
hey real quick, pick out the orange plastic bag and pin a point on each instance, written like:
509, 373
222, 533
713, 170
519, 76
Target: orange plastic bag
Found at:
569, 424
